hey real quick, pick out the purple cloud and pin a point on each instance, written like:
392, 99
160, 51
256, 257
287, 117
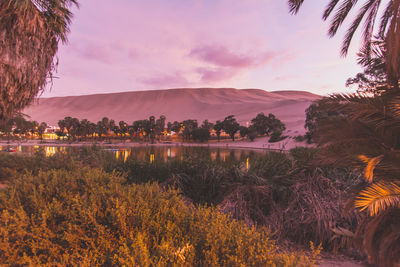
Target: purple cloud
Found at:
216, 75
223, 57
91, 51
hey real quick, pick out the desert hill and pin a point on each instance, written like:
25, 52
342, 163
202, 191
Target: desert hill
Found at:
177, 104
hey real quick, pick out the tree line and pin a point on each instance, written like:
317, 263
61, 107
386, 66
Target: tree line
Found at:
150, 129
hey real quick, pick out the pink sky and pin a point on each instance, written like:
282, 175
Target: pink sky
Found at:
130, 45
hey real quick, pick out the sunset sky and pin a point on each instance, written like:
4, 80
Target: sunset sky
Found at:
130, 45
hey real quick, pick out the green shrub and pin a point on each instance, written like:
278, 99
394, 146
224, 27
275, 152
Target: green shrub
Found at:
92, 218
272, 165
211, 184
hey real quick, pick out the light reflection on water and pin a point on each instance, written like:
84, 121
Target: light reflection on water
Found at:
122, 154
152, 153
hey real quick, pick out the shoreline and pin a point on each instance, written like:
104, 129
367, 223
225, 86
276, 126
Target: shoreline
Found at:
258, 144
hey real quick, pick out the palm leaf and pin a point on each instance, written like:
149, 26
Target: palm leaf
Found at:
378, 197
294, 5
395, 107
369, 6
330, 7
340, 15
385, 19
371, 164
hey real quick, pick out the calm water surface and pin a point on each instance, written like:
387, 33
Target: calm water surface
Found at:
150, 153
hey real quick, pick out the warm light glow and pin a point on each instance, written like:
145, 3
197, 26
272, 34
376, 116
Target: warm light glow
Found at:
124, 154
51, 136
247, 163
50, 151
151, 158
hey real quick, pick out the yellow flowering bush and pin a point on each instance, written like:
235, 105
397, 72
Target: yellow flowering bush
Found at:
91, 218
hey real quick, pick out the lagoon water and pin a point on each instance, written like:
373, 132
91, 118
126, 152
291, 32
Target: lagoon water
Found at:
149, 153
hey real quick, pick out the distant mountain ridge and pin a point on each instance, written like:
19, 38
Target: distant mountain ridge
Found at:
177, 104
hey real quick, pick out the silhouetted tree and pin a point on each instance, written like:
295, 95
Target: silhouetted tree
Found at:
123, 126
6, 125
243, 130
160, 126
175, 127
188, 127
84, 128
230, 126
252, 133
61, 124
218, 126
201, 134
41, 129
207, 125
268, 125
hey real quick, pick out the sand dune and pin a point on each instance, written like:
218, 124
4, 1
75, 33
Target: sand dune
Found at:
178, 104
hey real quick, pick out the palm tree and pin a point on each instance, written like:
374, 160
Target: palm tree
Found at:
61, 124
6, 125
105, 125
41, 129
75, 127
111, 127
373, 79
218, 128
366, 133
92, 129
31, 31
389, 23
84, 128
123, 127
160, 126
100, 130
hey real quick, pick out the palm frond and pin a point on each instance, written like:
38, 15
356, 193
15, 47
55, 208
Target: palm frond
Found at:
329, 8
385, 19
356, 22
340, 16
378, 197
294, 6
371, 165
368, 27
395, 107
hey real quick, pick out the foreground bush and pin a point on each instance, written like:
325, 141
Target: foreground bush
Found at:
289, 193
91, 218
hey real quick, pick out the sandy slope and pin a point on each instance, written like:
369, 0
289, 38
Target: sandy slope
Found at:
177, 104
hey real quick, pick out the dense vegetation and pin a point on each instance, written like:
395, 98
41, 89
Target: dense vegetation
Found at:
299, 201
145, 130
362, 129
70, 215
62, 211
